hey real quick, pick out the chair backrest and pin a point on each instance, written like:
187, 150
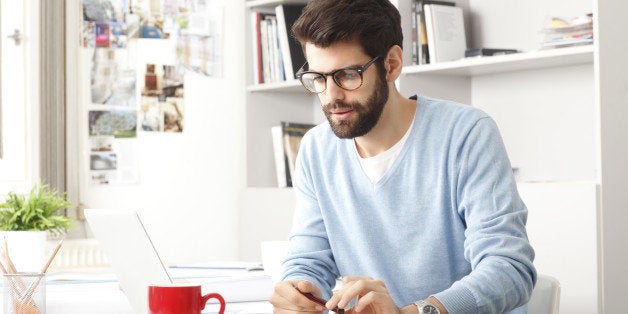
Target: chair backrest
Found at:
545, 297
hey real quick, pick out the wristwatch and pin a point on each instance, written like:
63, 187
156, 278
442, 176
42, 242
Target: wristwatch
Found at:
426, 307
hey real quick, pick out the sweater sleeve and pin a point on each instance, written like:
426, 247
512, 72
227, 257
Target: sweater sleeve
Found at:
496, 243
309, 256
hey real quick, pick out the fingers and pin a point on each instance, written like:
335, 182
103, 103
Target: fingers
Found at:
374, 301
372, 297
371, 293
358, 287
308, 287
349, 279
287, 299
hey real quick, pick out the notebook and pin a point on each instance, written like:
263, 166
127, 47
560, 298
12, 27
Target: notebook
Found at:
135, 261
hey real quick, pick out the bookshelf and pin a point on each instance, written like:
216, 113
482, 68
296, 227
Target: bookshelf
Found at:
524, 61
560, 113
267, 105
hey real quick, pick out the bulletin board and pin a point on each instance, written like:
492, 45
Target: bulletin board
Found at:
126, 97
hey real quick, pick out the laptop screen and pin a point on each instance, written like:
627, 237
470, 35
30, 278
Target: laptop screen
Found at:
131, 253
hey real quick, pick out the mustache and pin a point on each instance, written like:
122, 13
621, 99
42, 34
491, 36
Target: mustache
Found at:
338, 104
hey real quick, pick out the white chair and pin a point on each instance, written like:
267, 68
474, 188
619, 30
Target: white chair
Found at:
545, 297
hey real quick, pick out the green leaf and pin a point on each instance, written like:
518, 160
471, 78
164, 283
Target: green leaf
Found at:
41, 211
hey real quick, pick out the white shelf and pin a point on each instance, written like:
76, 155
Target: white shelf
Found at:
271, 3
473, 66
292, 86
507, 63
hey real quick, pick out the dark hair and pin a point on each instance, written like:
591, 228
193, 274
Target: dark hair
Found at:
375, 24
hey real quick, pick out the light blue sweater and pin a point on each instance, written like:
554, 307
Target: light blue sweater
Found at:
445, 220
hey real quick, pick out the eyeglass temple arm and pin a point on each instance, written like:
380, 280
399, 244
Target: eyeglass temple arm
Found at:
301, 69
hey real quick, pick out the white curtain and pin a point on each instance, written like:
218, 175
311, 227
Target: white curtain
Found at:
53, 97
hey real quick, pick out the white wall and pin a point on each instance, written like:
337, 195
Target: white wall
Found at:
562, 230
550, 133
265, 215
189, 182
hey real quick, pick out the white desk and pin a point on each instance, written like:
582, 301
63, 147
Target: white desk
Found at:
95, 297
107, 298
102, 295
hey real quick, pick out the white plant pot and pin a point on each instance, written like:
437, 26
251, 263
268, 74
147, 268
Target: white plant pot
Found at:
27, 249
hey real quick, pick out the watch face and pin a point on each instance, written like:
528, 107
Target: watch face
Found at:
429, 309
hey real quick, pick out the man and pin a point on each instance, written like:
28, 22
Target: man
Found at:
411, 202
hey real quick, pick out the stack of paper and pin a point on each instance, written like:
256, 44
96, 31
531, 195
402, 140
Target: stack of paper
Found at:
559, 32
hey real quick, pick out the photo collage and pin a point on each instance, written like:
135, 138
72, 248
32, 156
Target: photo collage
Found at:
128, 97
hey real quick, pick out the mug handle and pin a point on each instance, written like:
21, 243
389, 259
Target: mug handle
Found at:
220, 299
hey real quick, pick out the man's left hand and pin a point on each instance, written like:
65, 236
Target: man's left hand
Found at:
372, 297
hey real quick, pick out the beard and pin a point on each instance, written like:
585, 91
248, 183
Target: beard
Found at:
368, 113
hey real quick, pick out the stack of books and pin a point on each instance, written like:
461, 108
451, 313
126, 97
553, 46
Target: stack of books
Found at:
277, 56
560, 32
286, 142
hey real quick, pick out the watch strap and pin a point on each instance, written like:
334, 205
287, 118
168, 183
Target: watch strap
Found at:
423, 305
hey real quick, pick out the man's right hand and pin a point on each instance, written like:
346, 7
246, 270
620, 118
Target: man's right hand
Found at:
287, 299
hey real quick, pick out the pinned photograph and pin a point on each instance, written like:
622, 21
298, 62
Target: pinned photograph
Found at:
103, 161
102, 34
108, 23
198, 26
105, 10
89, 34
101, 178
161, 116
151, 18
166, 80
151, 116
113, 77
101, 143
116, 123
161, 107
173, 115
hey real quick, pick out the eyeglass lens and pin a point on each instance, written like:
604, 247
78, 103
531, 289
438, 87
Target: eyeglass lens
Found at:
348, 79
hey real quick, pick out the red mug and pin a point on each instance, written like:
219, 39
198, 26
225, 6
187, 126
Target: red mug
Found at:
180, 299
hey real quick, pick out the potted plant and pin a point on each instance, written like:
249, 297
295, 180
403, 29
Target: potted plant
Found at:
26, 222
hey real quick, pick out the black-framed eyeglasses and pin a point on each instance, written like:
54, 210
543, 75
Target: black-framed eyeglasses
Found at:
346, 78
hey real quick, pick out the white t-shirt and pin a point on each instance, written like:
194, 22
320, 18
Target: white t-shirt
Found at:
375, 167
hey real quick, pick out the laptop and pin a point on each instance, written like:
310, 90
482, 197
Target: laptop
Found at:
135, 261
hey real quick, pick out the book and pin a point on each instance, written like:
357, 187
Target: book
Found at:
480, 52
422, 45
445, 30
271, 37
291, 52
415, 33
277, 63
292, 133
265, 51
256, 36
271, 57
281, 160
